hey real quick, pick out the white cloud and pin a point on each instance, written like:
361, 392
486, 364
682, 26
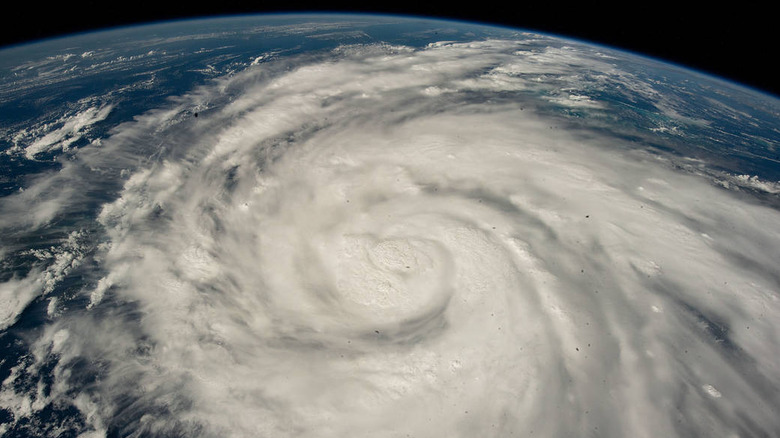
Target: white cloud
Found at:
54, 264
70, 131
575, 101
313, 256
755, 182
15, 295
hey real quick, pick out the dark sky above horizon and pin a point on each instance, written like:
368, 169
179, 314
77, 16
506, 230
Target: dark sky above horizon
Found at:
735, 43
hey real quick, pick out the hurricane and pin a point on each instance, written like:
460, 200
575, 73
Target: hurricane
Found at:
391, 241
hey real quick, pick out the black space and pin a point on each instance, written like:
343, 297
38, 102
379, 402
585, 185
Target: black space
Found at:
739, 43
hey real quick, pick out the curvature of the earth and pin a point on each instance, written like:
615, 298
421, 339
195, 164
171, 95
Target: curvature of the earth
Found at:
332, 226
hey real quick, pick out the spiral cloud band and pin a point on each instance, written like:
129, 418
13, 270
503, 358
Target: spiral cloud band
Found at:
388, 242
